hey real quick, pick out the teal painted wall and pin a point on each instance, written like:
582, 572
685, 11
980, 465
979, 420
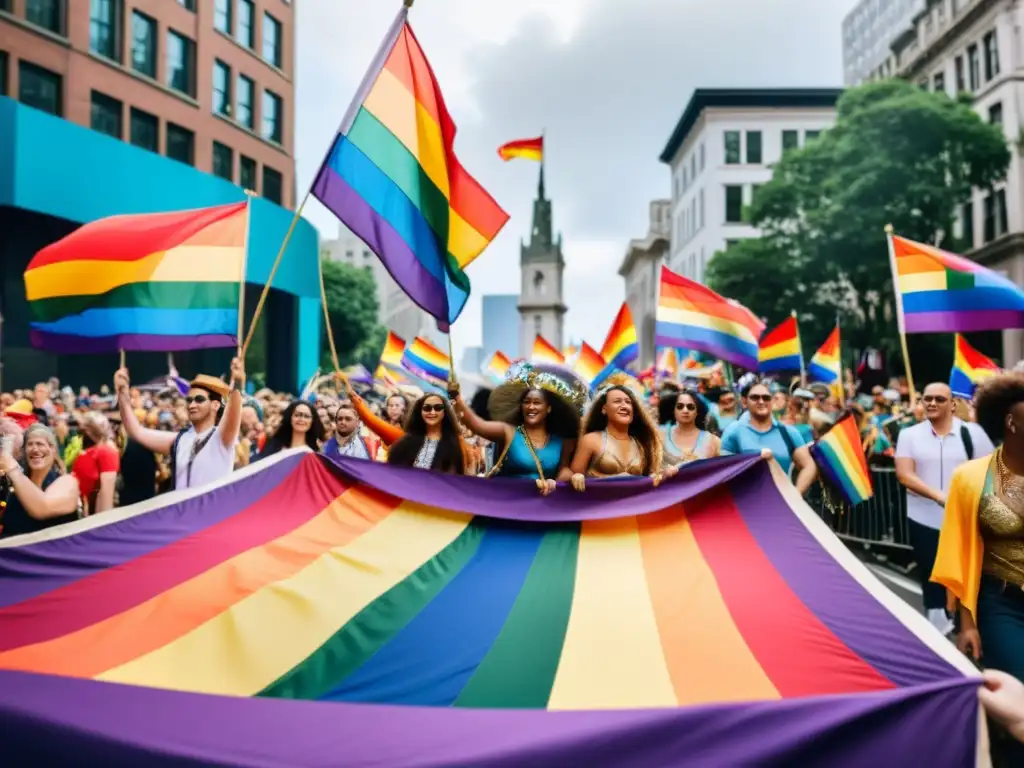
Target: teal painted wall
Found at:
60, 169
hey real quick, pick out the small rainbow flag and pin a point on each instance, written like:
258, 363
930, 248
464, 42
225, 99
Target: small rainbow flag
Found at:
970, 368
394, 349
667, 364
527, 149
424, 359
840, 456
779, 349
570, 353
498, 366
589, 364
693, 316
943, 293
825, 365
392, 177
546, 352
384, 376
155, 282
620, 346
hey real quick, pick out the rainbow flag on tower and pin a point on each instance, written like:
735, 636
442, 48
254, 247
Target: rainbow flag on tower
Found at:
527, 149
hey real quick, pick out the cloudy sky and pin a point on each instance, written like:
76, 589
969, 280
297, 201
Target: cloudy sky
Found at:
606, 79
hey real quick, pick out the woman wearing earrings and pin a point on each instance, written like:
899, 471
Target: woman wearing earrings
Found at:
684, 436
431, 439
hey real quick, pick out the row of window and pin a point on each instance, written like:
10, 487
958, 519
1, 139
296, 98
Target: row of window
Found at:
972, 69
995, 221
237, 18
689, 221
46, 14
235, 99
688, 171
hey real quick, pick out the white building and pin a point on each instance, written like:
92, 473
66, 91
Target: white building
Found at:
721, 151
974, 47
868, 31
641, 272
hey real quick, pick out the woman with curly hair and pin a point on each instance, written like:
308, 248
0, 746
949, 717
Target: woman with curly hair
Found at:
619, 440
300, 426
684, 434
431, 439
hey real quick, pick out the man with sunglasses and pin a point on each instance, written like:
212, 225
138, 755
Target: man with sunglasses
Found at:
205, 452
927, 454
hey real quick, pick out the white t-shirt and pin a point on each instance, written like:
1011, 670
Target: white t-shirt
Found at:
935, 460
215, 461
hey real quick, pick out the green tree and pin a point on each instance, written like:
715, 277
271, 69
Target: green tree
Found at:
897, 155
352, 307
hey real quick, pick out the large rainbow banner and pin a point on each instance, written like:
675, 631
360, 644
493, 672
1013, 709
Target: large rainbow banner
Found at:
304, 613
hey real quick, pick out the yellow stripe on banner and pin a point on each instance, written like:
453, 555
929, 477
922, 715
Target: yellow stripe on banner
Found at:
183, 264
612, 655
464, 242
246, 648
923, 281
398, 111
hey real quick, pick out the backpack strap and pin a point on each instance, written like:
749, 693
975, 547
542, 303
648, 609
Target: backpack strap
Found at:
174, 458
787, 439
965, 435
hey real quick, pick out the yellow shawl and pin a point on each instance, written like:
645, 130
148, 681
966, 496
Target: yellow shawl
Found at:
961, 549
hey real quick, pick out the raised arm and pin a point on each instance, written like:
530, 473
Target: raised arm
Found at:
388, 433
61, 498
495, 431
231, 421
151, 439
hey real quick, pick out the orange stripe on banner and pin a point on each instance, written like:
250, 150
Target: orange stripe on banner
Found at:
155, 623
708, 660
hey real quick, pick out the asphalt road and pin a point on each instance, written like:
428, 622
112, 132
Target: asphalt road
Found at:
907, 589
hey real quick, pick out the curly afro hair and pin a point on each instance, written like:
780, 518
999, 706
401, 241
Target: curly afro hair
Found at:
994, 399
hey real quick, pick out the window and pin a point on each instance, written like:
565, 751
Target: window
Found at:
990, 41
958, 66
243, 113
702, 157
188, 5
105, 28
686, 176
693, 166
973, 68
753, 147
811, 135
245, 31
143, 44
538, 325
939, 82
272, 122
733, 204
753, 192
223, 161
790, 140
995, 113
181, 144
145, 130
700, 208
221, 88
222, 15
732, 147
247, 176
967, 225
272, 40
3, 73
106, 115
995, 215
1002, 221
181, 63
40, 88
48, 14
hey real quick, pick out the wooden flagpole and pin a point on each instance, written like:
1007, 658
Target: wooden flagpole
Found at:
249, 194
901, 324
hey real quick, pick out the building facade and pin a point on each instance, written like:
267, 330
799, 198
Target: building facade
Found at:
500, 325
641, 272
721, 151
209, 83
542, 266
868, 32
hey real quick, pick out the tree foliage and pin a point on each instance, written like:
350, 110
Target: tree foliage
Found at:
897, 155
352, 307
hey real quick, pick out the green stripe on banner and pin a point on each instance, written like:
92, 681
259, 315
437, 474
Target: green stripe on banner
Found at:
140, 295
348, 648
519, 670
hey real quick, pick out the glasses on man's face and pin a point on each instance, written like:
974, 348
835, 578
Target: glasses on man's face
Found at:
759, 398
686, 407
197, 399
937, 399
433, 408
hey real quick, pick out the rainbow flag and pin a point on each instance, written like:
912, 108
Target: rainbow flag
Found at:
620, 345
424, 359
970, 368
402, 617
498, 365
571, 353
392, 177
943, 293
545, 352
589, 364
384, 376
156, 282
825, 366
527, 149
393, 352
693, 316
779, 349
840, 456
667, 364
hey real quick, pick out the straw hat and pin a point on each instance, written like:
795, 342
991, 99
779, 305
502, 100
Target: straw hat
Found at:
505, 400
21, 413
211, 384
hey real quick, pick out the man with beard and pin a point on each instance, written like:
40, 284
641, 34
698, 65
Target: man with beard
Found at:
346, 440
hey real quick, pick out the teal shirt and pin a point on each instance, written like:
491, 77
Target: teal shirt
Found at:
740, 437
519, 460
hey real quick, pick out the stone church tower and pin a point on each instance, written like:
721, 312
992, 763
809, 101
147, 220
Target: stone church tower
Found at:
541, 307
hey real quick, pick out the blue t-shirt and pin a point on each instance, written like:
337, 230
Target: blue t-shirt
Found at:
741, 437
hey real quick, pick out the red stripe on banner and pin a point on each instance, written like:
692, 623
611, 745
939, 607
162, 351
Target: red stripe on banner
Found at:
303, 494
798, 653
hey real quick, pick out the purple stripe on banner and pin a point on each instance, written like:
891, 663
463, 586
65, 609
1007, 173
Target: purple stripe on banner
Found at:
963, 322
65, 721
62, 344
35, 569
512, 499
823, 585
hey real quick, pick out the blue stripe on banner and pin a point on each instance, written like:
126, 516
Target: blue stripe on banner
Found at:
790, 363
432, 659
721, 345
121, 321
817, 373
973, 299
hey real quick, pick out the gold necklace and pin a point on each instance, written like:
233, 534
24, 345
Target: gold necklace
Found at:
1011, 486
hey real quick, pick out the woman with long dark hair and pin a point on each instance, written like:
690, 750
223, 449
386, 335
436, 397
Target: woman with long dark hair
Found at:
684, 434
619, 440
431, 439
300, 426
536, 421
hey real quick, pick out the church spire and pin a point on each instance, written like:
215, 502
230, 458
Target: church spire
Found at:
541, 237
540, 184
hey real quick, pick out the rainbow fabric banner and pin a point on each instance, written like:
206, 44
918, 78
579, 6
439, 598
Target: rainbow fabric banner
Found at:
943, 293
825, 366
527, 149
156, 282
424, 359
392, 177
498, 365
779, 349
589, 364
435, 620
970, 368
840, 456
545, 352
692, 316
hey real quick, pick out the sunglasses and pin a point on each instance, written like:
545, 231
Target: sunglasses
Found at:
197, 399
433, 408
759, 398
937, 399
686, 407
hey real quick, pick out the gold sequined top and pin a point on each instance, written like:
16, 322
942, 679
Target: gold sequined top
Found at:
1003, 533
